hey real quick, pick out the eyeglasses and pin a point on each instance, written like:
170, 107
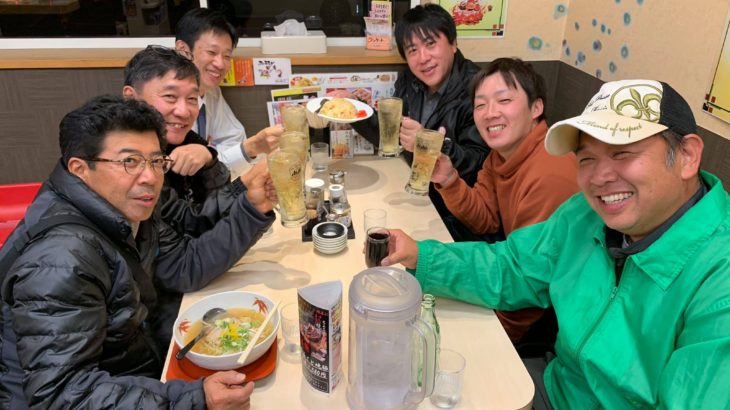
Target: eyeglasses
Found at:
135, 164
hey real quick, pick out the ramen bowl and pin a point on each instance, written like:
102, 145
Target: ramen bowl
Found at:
185, 327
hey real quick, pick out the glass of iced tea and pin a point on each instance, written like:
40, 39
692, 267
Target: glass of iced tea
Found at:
390, 113
294, 117
425, 153
287, 173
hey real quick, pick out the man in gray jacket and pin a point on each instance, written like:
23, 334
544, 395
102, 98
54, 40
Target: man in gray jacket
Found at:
75, 329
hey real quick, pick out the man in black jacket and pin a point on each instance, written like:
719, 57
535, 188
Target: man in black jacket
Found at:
75, 326
435, 92
169, 81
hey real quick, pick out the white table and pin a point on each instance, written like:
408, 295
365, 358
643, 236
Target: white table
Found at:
280, 263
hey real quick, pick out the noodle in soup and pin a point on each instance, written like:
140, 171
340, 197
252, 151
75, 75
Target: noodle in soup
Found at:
230, 334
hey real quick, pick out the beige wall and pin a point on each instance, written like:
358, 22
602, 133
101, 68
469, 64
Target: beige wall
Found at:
674, 41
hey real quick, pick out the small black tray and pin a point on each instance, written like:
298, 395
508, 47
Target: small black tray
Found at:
307, 228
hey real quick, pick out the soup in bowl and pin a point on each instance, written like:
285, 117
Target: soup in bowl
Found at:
229, 333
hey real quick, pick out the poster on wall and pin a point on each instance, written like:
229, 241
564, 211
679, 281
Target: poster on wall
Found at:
477, 18
717, 101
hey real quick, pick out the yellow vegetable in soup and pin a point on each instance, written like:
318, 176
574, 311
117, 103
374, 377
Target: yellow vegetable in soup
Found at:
230, 333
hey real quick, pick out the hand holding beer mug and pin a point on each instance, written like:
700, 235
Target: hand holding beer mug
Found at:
287, 173
427, 150
295, 141
294, 118
390, 112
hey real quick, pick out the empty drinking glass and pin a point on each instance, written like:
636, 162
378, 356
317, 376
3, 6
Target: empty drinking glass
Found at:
449, 379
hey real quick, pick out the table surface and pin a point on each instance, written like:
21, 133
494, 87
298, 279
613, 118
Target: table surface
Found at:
280, 263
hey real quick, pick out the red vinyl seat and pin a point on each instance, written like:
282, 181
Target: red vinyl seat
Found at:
14, 201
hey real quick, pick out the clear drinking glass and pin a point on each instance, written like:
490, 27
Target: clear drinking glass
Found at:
449, 379
294, 117
287, 173
295, 141
320, 156
290, 328
425, 153
374, 217
390, 113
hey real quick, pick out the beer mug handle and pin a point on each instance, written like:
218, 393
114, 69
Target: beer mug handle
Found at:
428, 362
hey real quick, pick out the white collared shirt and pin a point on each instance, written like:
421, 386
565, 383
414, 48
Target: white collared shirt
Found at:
225, 132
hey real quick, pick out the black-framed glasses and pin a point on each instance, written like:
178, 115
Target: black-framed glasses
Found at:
135, 164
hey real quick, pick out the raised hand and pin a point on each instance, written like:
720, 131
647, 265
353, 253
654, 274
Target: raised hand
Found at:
190, 158
408, 130
401, 249
263, 142
260, 187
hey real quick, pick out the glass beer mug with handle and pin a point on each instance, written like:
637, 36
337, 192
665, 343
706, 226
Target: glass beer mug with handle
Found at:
388, 345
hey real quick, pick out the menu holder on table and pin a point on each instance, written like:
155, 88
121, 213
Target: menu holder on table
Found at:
307, 228
320, 334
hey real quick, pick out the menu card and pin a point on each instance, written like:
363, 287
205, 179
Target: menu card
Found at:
378, 27
320, 334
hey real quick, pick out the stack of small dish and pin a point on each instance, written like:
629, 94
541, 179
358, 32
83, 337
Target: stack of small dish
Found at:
329, 237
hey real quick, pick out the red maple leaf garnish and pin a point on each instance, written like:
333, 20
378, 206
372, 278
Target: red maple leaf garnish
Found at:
263, 308
184, 326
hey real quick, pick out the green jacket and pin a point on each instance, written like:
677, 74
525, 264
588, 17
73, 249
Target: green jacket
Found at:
658, 339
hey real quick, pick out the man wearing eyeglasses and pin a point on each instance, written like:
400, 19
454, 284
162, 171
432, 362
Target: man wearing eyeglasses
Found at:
76, 332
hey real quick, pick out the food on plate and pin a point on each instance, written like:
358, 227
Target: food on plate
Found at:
468, 12
230, 334
339, 108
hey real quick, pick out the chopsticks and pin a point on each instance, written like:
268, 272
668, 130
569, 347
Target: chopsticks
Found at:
244, 355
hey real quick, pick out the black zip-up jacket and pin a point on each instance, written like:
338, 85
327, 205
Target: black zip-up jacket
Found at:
454, 112
75, 330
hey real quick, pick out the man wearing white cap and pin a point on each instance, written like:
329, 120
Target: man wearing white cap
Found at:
637, 267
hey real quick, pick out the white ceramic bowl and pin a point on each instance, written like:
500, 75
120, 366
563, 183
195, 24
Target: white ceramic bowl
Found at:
226, 300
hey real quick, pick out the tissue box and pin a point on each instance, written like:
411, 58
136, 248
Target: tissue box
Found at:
315, 42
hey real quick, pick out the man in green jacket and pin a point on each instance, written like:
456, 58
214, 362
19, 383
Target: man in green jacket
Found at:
637, 267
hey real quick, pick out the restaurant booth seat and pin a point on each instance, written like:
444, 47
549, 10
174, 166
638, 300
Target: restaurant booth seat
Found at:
14, 201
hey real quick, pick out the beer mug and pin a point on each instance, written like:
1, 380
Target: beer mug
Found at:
390, 113
425, 154
295, 141
287, 173
294, 117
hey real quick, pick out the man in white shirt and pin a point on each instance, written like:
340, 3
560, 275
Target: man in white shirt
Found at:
208, 38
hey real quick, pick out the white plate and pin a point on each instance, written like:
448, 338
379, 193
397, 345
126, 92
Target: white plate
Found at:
314, 104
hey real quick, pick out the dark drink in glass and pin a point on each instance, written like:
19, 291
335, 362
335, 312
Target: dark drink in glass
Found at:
376, 247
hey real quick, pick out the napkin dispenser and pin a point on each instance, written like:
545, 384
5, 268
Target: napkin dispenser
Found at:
314, 42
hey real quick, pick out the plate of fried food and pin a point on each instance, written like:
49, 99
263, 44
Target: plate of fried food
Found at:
341, 110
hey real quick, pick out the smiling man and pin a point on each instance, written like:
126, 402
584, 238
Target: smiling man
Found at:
519, 183
637, 267
198, 197
435, 92
205, 36
79, 275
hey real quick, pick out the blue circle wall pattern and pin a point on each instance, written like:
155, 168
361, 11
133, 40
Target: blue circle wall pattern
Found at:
625, 51
612, 67
580, 58
560, 11
577, 26
627, 19
599, 73
535, 43
597, 45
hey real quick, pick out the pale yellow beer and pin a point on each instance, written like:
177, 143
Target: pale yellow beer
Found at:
390, 113
287, 173
425, 153
294, 117
295, 141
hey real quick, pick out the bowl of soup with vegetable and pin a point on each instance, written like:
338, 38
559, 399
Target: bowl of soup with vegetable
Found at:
230, 332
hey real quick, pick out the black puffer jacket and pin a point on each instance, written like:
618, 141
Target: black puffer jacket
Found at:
75, 332
207, 194
454, 112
